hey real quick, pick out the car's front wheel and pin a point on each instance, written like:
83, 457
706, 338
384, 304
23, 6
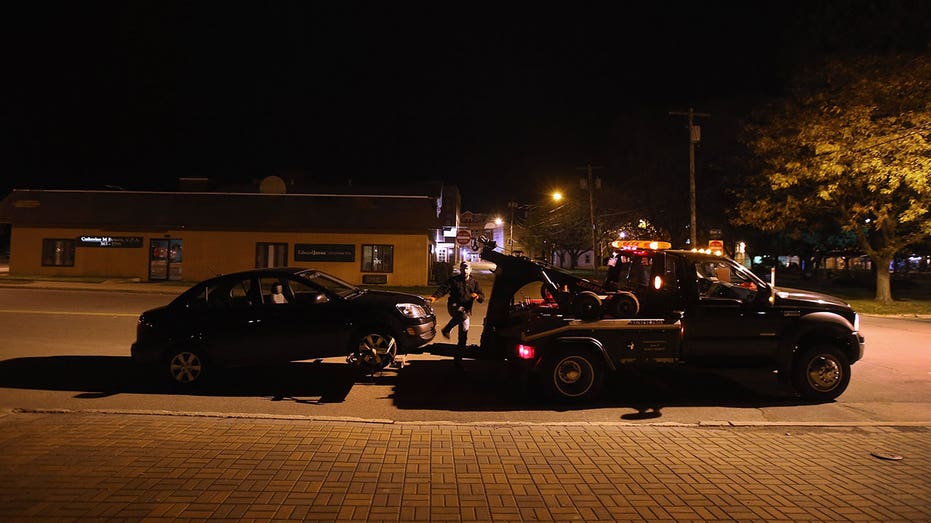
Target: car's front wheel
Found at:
186, 366
821, 373
375, 349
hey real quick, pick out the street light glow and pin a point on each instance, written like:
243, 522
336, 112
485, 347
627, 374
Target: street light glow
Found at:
557, 196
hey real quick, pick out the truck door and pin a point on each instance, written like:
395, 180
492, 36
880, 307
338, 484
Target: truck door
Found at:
725, 322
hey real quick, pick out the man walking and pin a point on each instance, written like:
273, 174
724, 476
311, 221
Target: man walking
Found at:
463, 291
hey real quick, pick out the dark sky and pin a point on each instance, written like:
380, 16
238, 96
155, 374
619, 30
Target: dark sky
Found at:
493, 98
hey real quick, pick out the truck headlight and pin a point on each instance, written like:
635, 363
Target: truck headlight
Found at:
412, 310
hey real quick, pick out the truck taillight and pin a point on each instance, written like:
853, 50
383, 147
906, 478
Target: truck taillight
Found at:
525, 352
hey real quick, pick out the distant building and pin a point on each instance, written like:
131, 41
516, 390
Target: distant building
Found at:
387, 236
478, 225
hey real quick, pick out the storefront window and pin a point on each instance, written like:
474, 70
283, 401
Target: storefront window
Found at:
378, 258
271, 255
58, 253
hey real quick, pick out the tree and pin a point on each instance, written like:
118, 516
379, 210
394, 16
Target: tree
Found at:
561, 228
851, 144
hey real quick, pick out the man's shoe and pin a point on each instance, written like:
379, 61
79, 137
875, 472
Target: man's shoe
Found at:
445, 333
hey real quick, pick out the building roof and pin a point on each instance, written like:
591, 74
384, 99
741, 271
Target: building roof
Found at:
137, 210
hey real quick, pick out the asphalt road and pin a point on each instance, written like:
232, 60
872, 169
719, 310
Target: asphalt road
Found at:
69, 349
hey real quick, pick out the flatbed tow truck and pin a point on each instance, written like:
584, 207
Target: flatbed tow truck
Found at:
659, 306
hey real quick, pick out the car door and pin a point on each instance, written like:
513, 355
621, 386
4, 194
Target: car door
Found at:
233, 323
311, 323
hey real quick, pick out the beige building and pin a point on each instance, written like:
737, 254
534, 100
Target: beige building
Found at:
362, 238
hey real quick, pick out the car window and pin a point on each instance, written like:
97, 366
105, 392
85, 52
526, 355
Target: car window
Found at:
242, 293
275, 291
332, 284
306, 292
207, 295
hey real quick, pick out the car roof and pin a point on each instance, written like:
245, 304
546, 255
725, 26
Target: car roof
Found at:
274, 271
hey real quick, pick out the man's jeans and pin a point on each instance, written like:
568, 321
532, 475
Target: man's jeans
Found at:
459, 316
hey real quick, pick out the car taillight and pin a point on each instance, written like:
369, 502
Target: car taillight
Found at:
525, 352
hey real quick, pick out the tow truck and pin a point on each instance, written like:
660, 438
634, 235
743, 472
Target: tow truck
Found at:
659, 306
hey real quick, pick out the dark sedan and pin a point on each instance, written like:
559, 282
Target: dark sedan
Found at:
279, 315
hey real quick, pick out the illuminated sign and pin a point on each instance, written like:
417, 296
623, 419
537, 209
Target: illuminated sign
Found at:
119, 242
320, 252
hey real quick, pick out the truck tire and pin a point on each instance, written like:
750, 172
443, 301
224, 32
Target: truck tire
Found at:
586, 306
821, 373
625, 306
573, 376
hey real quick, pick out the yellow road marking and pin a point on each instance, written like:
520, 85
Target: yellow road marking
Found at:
68, 313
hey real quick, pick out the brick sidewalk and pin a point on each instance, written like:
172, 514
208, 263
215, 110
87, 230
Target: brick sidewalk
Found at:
77, 466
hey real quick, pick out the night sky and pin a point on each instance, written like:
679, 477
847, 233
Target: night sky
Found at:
501, 100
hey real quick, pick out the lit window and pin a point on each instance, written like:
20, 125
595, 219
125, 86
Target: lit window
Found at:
378, 258
58, 253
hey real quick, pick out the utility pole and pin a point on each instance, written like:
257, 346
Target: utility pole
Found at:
596, 256
694, 137
510, 249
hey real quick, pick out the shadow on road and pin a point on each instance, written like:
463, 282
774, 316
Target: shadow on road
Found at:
487, 386
421, 384
101, 376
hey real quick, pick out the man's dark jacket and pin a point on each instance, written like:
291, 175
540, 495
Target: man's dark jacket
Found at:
460, 292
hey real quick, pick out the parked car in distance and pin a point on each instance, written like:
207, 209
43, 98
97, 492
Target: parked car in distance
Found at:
278, 315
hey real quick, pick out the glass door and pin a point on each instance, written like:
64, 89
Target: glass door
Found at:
165, 259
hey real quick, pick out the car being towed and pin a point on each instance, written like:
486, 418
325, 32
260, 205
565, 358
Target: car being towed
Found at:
279, 315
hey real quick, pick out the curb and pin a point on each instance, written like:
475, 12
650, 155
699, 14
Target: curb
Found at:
377, 421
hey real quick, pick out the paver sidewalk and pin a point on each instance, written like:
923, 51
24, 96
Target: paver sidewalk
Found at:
77, 466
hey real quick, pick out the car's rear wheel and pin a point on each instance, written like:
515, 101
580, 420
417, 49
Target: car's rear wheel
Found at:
186, 366
821, 373
573, 376
376, 349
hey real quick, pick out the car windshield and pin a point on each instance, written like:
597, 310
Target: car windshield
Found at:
332, 284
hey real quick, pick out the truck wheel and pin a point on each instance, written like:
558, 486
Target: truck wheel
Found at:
821, 373
625, 306
573, 376
587, 305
